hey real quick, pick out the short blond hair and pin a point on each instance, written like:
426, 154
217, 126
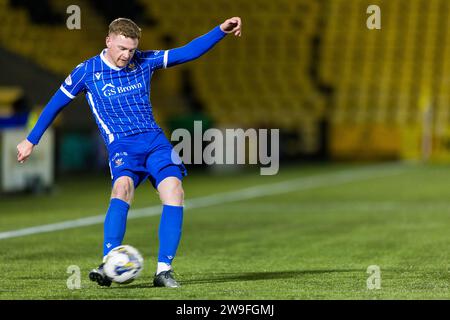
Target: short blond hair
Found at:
125, 27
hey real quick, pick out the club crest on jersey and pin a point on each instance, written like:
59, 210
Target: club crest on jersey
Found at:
131, 66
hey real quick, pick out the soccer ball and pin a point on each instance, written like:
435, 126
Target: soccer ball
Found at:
123, 264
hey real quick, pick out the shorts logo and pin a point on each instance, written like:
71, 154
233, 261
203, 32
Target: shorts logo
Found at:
118, 162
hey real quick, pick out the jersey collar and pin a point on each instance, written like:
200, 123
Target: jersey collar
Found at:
109, 64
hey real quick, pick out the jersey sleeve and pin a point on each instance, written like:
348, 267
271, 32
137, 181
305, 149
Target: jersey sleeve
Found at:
51, 110
74, 82
196, 48
156, 59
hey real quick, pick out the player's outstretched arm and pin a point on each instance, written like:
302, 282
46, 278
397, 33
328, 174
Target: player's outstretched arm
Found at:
204, 43
51, 110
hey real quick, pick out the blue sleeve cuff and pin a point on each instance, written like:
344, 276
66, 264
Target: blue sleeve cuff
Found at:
218, 30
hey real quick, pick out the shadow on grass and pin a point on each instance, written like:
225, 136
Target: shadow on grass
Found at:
246, 276
147, 285
265, 275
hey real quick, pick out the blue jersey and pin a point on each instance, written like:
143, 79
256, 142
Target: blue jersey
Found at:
119, 98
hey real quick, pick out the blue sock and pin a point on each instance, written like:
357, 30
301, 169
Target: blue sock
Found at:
115, 224
169, 232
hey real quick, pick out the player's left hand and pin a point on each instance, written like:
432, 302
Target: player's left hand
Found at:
24, 150
232, 25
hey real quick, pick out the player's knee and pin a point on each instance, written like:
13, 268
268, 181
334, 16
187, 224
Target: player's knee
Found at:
123, 189
171, 192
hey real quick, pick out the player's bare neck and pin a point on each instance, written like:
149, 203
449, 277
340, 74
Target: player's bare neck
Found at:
110, 60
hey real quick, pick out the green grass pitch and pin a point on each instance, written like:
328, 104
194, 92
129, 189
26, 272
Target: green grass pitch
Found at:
313, 239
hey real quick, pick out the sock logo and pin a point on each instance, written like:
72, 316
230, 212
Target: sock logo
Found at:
108, 245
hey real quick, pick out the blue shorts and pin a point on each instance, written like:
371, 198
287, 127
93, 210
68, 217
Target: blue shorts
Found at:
144, 155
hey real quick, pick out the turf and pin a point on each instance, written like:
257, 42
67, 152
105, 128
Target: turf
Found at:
313, 241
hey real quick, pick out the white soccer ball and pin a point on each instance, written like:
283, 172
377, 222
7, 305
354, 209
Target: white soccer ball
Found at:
123, 264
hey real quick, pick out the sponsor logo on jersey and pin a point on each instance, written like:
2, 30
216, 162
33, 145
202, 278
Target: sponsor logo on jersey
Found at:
111, 90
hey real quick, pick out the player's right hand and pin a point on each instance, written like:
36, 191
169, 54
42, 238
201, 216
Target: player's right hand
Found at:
24, 150
232, 25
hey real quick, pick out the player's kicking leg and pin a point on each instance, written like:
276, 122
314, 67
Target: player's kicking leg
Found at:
115, 223
171, 194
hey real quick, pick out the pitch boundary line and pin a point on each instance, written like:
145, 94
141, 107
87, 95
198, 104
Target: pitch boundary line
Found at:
298, 184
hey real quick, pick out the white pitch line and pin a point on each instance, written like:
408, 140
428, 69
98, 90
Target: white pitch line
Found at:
303, 183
